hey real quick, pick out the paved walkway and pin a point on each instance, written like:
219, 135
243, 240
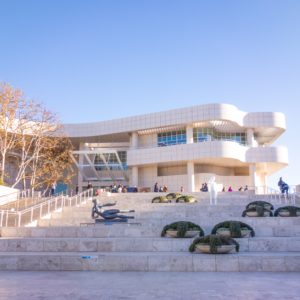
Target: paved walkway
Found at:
135, 285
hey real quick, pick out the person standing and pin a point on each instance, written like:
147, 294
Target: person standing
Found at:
283, 186
53, 188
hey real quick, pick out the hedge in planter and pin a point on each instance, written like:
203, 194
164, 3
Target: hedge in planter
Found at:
214, 242
171, 196
182, 227
160, 199
236, 229
264, 204
257, 211
186, 199
287, 211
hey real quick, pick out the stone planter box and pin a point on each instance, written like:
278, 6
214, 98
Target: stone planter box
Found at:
226, 232
204, 248
188, 234
285, 213
269, 207
255, 214
193, 200
161, 201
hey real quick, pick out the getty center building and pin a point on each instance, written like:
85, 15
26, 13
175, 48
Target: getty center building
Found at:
180, 148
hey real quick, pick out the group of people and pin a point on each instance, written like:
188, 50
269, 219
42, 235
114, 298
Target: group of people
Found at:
243, 189
204, 188
114, 188
283, 186
230, 189
118, 188
157, 189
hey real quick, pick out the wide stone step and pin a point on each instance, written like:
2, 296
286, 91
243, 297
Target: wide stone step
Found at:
136, 230
137, 202
153, 215
160, 209
158, 206
148, 203
142, 244
202, 221
171, 207
199, 195
151, 261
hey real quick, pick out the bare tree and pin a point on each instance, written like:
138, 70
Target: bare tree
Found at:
11, 103
34, 136
53, 162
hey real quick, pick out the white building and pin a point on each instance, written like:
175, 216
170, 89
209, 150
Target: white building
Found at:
180, 147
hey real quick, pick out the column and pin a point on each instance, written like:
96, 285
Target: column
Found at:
191, 177
134, 140
80, 162
250, 137
264, 182
253, 178
135, 176
189, 134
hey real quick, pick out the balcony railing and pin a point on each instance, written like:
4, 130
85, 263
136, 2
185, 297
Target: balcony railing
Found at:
18, 218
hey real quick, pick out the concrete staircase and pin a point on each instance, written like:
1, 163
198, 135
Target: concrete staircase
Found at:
60, 243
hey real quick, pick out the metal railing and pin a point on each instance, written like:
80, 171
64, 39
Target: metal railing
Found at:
23, 202
10, 218
271, 194
14, 199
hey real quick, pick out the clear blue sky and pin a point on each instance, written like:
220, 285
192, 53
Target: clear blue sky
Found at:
96, 60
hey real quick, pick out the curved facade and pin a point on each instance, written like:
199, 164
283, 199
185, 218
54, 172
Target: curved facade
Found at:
181, 148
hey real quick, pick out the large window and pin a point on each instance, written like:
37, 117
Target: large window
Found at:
209, 134
171, 138
111, 160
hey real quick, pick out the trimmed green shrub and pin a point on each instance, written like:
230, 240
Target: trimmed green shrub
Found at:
264, 204
293, 211
171, 196
182, 227
235, 228
160, 199
214, 241
186, 199
259, 209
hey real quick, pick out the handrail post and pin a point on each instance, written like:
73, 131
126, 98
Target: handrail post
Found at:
19, 219
31, 215
6, 221
2, 213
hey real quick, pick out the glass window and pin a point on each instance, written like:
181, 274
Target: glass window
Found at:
209, 134
112, 161
171, 138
